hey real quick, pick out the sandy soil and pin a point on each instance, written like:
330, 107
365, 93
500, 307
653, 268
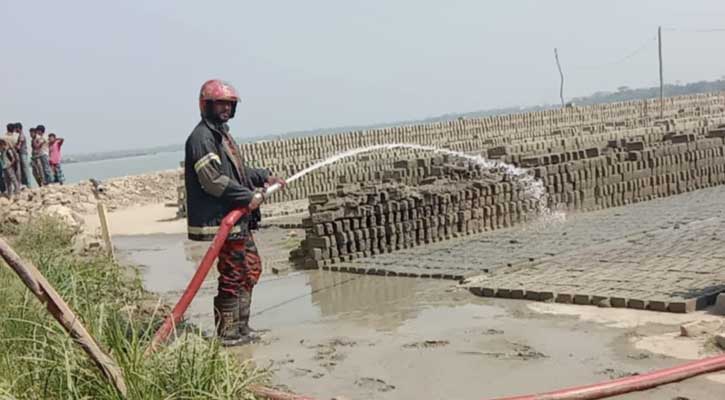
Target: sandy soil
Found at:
140, 220
161, 218
370, 337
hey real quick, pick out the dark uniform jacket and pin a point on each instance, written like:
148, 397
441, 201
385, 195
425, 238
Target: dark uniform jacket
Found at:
217, 181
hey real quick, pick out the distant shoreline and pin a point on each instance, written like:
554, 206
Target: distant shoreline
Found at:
100, 157
623, 93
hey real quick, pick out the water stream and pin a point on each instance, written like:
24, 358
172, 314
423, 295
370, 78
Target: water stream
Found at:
533, 188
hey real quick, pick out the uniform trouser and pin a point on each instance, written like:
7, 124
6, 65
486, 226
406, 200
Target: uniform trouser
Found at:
239, 267
2, 181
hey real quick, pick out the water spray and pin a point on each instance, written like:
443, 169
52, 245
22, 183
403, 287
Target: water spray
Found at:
533, 188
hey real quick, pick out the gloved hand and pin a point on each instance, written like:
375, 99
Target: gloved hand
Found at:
276, 179
257, 199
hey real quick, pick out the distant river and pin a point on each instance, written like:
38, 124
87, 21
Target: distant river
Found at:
105, 169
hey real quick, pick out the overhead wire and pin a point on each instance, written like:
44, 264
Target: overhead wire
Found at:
627, 57
692, 30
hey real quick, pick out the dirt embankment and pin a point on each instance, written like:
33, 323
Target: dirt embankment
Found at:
156, 187
76, 204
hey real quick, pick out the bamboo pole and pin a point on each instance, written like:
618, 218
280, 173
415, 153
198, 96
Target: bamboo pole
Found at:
561, 75
662, 81
103, 217
105, 231
57, 307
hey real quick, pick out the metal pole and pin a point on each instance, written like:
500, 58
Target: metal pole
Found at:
662, 86
561, 75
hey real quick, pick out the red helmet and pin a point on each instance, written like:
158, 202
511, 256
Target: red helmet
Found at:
214, 90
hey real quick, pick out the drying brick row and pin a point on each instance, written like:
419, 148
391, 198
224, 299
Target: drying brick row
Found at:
359, 221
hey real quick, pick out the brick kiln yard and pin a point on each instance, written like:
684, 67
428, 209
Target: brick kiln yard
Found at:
390, 337
381, 314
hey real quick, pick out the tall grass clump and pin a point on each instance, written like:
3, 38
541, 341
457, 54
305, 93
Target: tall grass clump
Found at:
39, 361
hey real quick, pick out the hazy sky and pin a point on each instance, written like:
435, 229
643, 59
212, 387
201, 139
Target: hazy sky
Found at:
125, 74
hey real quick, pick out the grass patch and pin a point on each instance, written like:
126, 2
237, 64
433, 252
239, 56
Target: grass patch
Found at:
39, 361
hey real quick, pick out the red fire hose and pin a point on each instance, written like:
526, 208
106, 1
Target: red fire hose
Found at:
201, 272
632, 383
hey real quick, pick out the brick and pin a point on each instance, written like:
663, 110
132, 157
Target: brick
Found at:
720, 304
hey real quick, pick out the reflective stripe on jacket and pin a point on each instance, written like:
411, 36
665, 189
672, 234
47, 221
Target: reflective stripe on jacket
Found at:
217, 181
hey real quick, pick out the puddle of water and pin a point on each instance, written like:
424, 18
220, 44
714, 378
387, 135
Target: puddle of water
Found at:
167, 263
396, 338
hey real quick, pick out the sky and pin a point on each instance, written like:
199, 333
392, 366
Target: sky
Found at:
112, 75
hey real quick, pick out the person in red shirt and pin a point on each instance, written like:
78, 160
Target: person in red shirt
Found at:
54, 144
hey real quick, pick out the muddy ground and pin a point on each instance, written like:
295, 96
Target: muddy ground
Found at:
371, 337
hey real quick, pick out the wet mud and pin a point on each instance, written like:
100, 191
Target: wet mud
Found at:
371, 337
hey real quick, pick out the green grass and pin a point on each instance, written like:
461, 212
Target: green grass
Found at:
39, 361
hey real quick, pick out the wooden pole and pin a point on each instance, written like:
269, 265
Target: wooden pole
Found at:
57, 307
103, 216
561, 75
662, 85
105, 231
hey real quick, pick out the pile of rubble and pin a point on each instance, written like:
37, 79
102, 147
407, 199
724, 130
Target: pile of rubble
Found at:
71, 202
80, 199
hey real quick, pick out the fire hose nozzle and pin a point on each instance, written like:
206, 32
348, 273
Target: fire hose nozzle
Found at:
271, 189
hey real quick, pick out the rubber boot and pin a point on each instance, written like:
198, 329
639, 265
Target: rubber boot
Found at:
245, 305
226, 319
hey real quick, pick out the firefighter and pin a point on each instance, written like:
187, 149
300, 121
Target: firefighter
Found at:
218, 181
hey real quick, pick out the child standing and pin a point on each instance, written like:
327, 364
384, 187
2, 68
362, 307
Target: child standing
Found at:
12, 139
42, 143
35, 158
54, 144
9, 162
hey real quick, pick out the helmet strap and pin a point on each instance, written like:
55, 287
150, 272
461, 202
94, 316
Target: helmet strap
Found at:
234, 110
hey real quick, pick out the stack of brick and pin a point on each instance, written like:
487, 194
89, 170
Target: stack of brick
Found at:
631, 171
550, 130
425, 200
357, 221
523, 135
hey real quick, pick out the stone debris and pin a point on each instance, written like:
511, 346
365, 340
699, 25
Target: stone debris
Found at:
700, 328
426, 344
119, 193
720, 340
71, 202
